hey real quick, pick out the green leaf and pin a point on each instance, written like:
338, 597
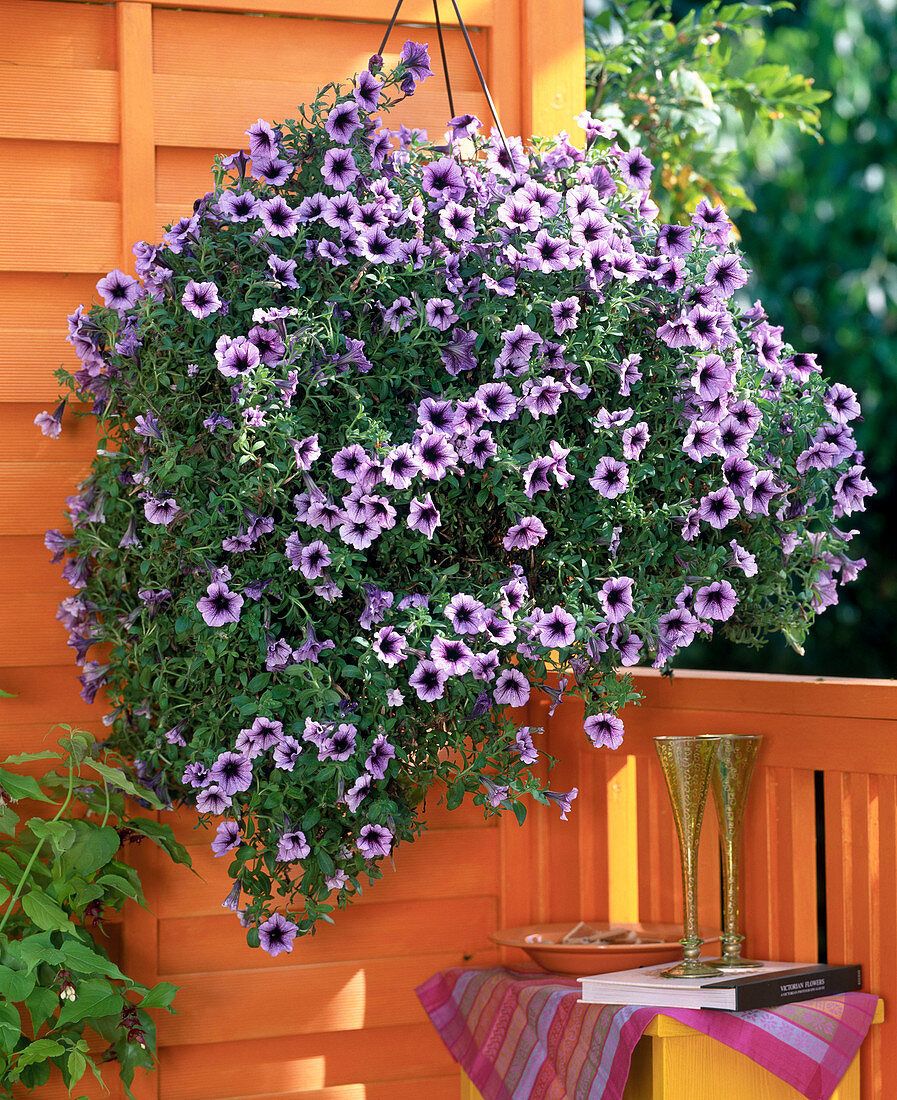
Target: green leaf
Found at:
118, 779
75, 1066
28, 757
9, 819
93, 848
162, 835
61, 834
33, 950
41, 1004
38, 1051
83, 959
16, 983
44, 912
117, 882
160, 996
22, 786
10, 1026
93, 997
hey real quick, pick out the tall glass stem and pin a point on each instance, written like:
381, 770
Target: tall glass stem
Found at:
687, 763
731, 780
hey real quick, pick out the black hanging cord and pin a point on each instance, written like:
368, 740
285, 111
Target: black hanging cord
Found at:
476, 66
448, 83
392, 23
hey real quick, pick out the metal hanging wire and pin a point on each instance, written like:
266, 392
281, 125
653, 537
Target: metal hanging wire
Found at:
448, 84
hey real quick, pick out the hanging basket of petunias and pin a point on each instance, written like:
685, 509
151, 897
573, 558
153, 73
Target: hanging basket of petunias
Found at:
396, 436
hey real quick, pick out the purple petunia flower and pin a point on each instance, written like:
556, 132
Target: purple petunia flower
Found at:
564, 801
212, 800
286, 752
340, 745
232, 772
604, 730
380, 755
636, 169
358, 792
725, 275
292, 845
428, 681
511, 688
435, 455
718, 507
339, 169
343, 121
564, 314
443, 179
525, 534
389, 645
440, 313
616, 598
227, 837
120, 291
524, 745
195, 775
201, 299
450, 655
374, 841
465, 614
499, 401
557, 628
712, 222
50, 424
611, 477
674, 240
276, 935
366, 92
702, 440
161, 511
635, 439
238, 206
716, 601
423, 516
220, 606
458, 222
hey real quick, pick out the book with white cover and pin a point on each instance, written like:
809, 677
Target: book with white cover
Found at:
769, 985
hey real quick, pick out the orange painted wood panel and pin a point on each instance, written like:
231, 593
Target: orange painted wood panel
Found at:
414, 12
32, 497
60, 170
300, 1063
335, 997
59, 35
20, 435
444, 863
74, 103
27, 568
380, 930
62, 235
42, 697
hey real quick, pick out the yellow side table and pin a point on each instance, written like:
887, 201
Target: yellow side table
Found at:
675, 1062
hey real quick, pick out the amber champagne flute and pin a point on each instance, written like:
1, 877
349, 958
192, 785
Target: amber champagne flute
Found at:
730, 781
687, 763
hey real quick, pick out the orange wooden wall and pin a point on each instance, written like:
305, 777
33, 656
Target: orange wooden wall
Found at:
110, 117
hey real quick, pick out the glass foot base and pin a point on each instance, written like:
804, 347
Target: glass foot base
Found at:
736, 963
692, 969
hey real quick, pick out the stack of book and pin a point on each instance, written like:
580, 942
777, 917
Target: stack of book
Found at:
769, 985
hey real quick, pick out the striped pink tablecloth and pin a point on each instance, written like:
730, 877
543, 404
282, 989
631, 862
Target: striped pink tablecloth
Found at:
524, 1037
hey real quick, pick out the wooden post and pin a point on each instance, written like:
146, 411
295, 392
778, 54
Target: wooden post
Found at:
552, 83
137, 147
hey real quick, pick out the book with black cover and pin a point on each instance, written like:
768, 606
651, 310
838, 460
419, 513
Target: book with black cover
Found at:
770, 985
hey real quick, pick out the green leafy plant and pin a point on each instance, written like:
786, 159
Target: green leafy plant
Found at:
61, 992
665, 83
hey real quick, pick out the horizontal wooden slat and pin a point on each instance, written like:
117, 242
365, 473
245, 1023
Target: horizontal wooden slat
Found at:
42, 696
28, 359
42, 300
75, 104
433, 1088
187, 895
27, 568
60, 170
69, 36
872, 745
62, 235
32, 497
238, 103
29, 633
459, 924
477, 13
183, 173
762, 693
300, 1063
341, 997
21, 438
